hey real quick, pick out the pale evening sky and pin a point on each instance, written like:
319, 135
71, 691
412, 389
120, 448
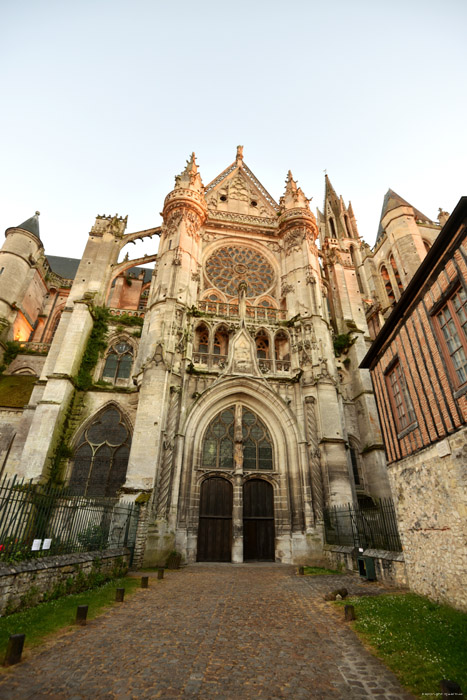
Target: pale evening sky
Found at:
104, 100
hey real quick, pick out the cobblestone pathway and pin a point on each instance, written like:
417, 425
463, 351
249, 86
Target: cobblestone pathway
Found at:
230, 632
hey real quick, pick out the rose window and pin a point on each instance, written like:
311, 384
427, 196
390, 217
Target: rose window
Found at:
229, 266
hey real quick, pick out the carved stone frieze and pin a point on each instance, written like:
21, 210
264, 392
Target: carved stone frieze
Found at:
293, 239
242, 218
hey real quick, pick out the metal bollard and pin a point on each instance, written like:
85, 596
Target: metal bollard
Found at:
349, 611
81, 614
301, 570
160, 573
144, 581
14, 649
119, 595
450, 689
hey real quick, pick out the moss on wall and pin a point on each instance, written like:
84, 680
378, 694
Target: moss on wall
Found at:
16, 390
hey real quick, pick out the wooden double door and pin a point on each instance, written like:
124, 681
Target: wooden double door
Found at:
215, 520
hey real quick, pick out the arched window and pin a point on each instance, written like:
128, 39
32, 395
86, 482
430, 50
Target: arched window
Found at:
387, 285
218, 446
348, 226
281, 346
202, 340
333, 228
356, 467
101, 457
262, 347
221, 342
118, 362
257, 444
396, 274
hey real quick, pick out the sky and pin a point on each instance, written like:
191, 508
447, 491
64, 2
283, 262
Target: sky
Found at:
104, 100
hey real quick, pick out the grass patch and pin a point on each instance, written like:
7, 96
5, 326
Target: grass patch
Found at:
46, 618
421, 641
319, 571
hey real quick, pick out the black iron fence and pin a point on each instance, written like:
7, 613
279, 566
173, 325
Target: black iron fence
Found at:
369, 528
40, 520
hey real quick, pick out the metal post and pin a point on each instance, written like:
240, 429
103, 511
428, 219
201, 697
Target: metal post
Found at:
144, 581
119, 595
349, 611
160, 573
301, 570
81, 614
14, 649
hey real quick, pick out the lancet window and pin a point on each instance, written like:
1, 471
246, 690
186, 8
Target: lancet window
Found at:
281, 346
396, 273
257, 444
118, 362
221, 342
219, 440
101, 457
262, 347
202, 340
356, 467
387, 285
218, 447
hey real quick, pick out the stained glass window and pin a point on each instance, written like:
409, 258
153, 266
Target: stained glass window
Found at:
118, 362
229, 266
218, 445
101, 457
219, 441
257, 444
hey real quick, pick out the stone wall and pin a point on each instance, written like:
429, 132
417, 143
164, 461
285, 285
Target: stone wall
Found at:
27, 583
389, 566
431, 504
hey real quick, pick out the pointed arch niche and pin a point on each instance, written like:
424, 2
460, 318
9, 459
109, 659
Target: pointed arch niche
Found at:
101, 454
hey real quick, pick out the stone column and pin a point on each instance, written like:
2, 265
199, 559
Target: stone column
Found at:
237, 509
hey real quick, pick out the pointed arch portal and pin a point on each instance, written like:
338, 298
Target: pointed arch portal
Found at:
237, 441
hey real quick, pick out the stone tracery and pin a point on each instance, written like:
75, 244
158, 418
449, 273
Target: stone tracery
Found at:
230, 265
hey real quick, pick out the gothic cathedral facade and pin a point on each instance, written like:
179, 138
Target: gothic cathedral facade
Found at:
225, 392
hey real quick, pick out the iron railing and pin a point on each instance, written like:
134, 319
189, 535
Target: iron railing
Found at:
40, 520
368, 528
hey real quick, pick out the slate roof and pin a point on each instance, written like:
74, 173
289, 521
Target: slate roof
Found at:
392, 200
65, 267
31, 225
68, 267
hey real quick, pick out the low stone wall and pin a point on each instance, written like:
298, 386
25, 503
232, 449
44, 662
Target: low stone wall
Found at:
389, 566
27, 583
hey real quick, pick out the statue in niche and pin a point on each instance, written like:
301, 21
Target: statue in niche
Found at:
243, 362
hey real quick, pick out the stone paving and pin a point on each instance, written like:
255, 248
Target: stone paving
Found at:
212, 631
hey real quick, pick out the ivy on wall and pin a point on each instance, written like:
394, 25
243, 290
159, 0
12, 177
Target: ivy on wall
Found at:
96, 345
